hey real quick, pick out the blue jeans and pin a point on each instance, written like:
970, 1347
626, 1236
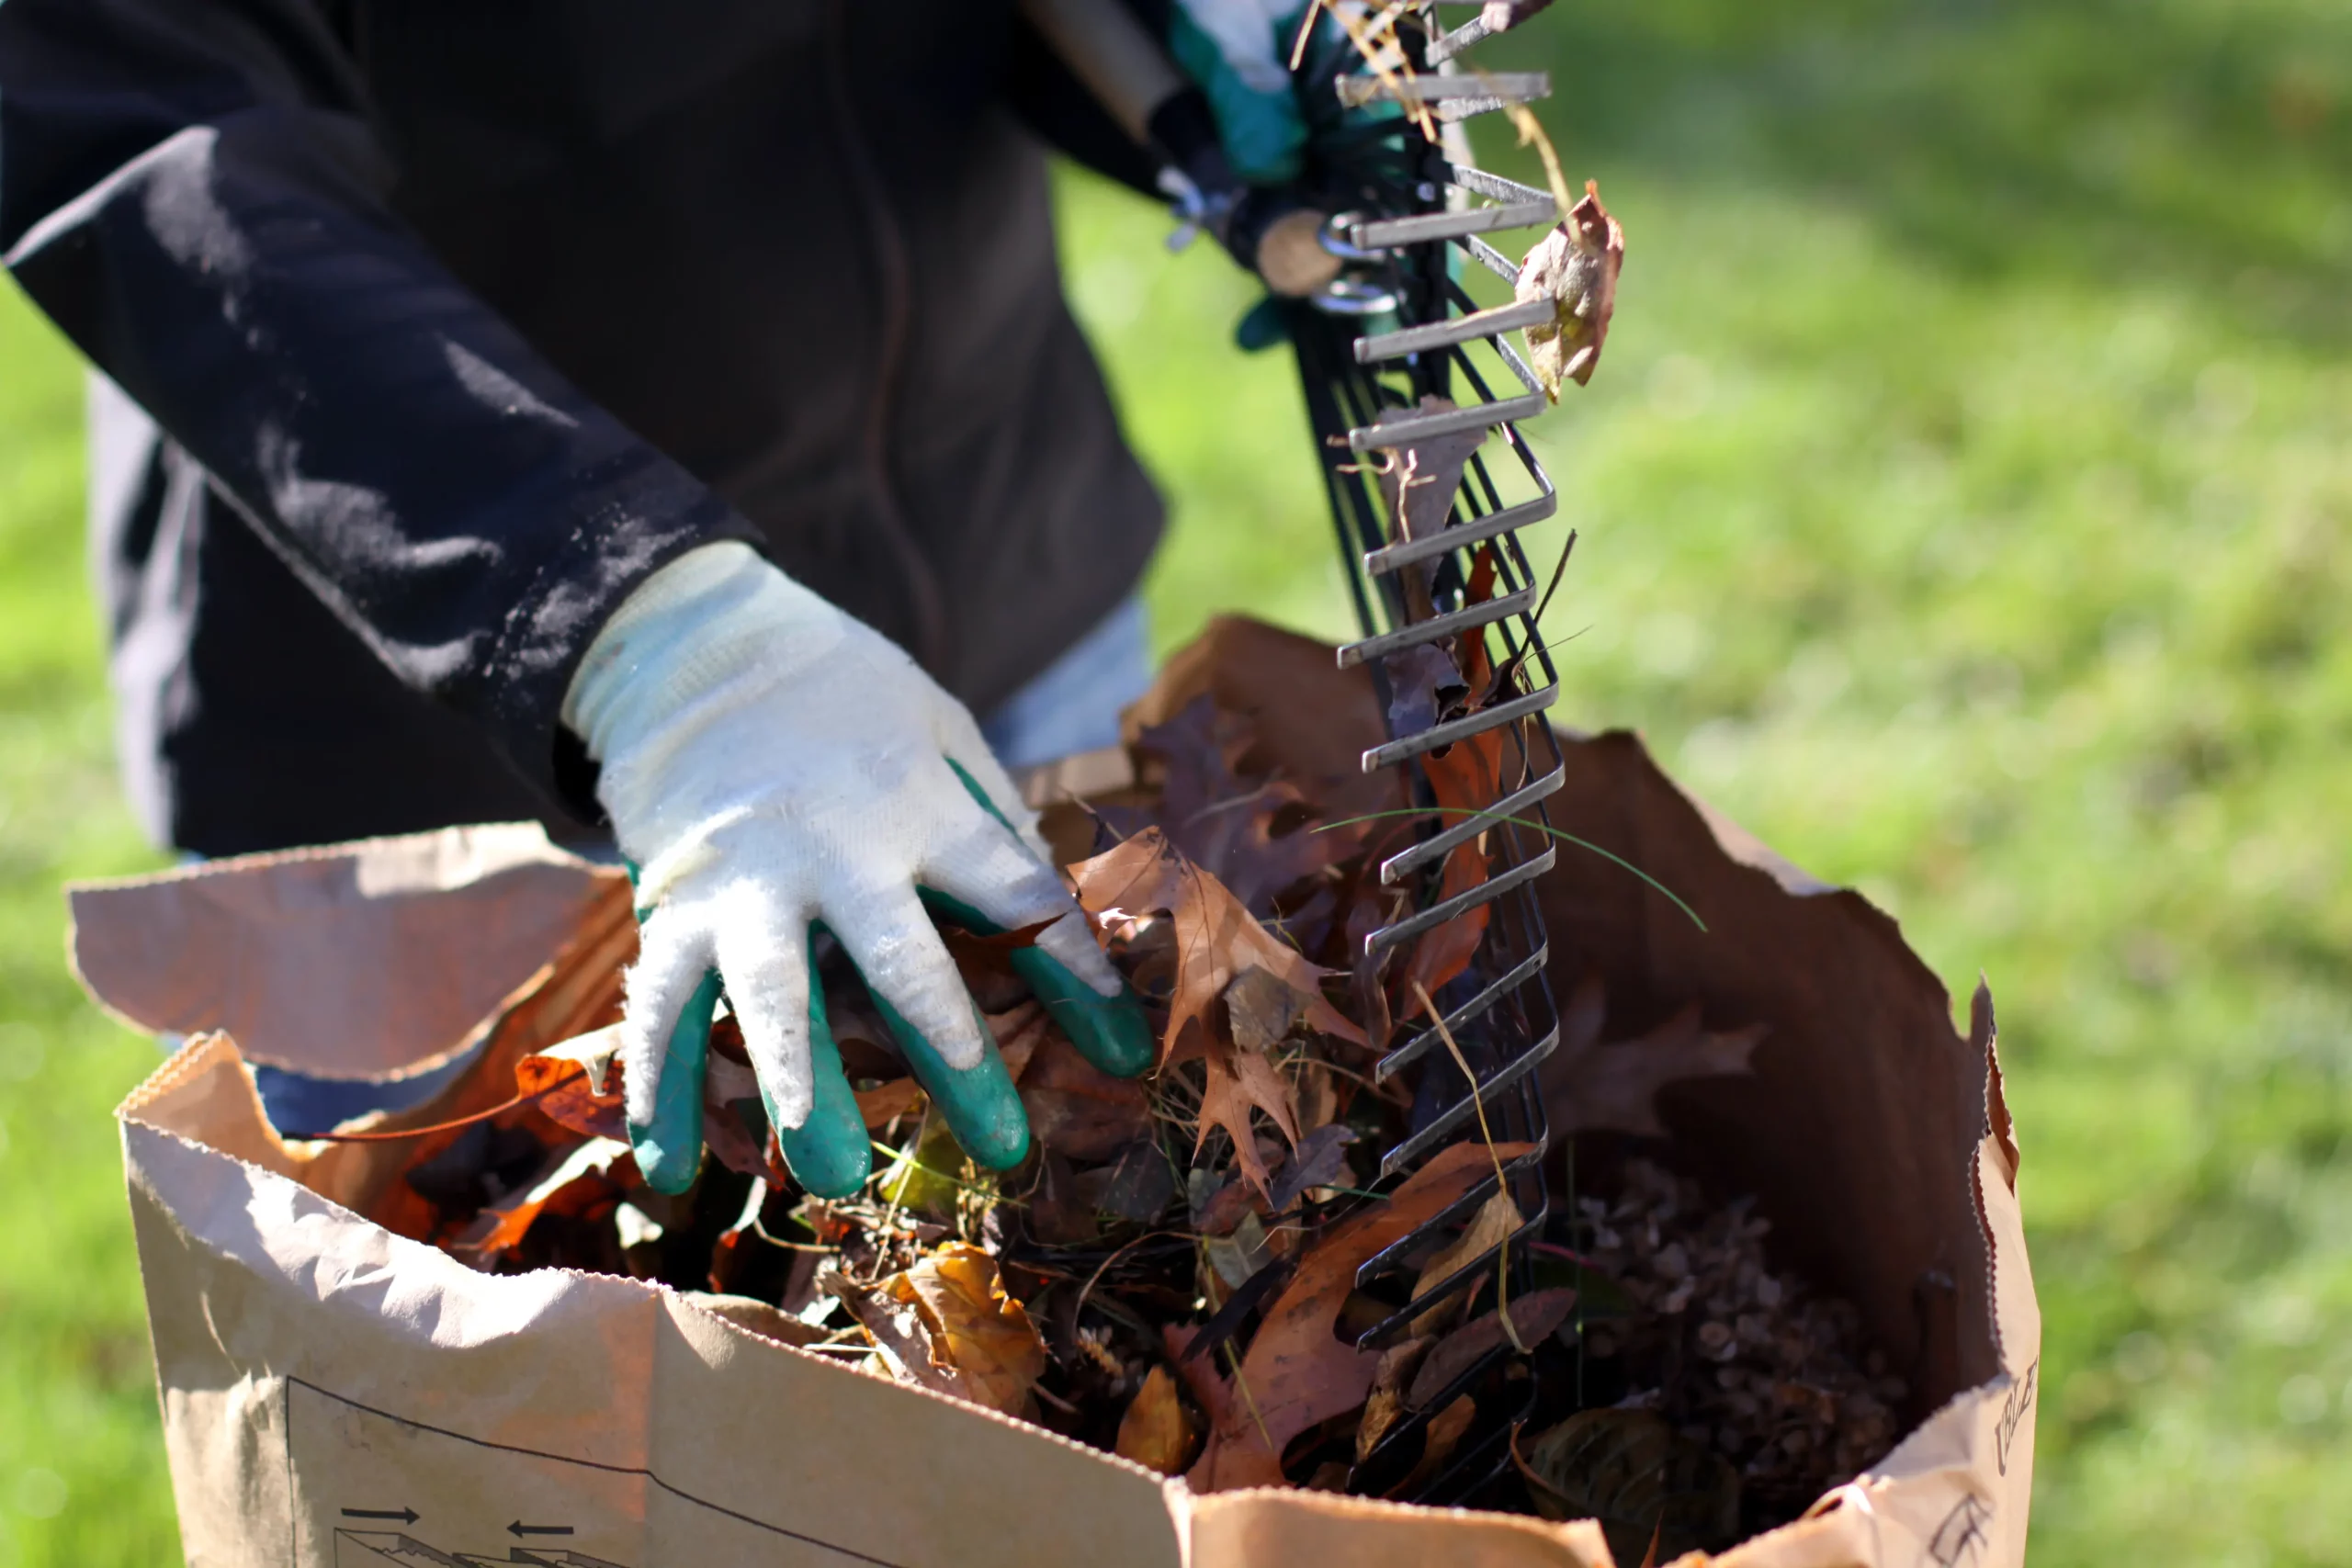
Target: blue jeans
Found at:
1070, 707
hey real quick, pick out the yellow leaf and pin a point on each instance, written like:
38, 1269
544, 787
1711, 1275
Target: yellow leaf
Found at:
1157, 1432
976, 1328
1496, 1221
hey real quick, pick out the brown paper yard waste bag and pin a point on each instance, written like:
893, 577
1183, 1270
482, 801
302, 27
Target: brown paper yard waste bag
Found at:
335, 1394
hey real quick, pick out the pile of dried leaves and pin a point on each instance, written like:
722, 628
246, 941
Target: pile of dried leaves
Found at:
1172, 1275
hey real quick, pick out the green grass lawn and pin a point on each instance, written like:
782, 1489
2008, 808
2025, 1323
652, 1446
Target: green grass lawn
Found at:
1965, 504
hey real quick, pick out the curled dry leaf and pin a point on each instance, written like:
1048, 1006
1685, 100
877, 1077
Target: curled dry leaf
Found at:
1229, 810
1262, 1010
1320, 1160
1157, 1432
1533, 1316
885, 1103
1417, 480
1614, 1087
1440, 1439
1233, 1081
1444, 953
1212, 1392
1385, 1406
1019, 1031
586, 1182
1138, 1185
1496, 1219
1216, 937
974, 1329
1297, 1372
1424, 686
1216, 941
1640, 1478
575, 1086
1575, 267
1295, 715
901, 1342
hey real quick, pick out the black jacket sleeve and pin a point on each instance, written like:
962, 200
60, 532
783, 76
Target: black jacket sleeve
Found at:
1059, 110
190, 189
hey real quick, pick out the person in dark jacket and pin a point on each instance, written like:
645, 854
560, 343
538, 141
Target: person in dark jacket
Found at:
657, 421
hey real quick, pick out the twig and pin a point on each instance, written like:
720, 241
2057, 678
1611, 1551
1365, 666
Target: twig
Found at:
1415, 110
1241, 1381
1088, 1289
890, 1215
1558, 572
1526, 822
1502, 1183
1531, 133
914, 1164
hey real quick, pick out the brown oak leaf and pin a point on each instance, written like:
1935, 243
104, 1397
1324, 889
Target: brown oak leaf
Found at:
1216, 937
1236, 1080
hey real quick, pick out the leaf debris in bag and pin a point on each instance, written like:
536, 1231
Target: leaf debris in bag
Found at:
947, 1323
1296, 1372
1747, 1360
1171, 1276
1532, 1317
1216, 937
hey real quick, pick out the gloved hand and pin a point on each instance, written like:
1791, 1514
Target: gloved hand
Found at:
1240, 159
1238, 53
771, 764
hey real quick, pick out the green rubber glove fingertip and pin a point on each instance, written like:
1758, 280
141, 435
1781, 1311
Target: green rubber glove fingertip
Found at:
829, 1154
982, 1107
1111, 1032
669, 1147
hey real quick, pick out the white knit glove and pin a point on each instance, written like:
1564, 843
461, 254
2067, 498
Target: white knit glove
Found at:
768, 763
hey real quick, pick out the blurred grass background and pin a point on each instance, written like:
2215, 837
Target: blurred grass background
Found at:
1966, 506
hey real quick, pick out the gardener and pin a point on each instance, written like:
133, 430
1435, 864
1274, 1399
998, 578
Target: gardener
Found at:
604, 416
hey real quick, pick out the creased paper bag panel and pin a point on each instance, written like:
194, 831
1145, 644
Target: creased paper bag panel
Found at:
286, 951
1859, 1127
336, 1396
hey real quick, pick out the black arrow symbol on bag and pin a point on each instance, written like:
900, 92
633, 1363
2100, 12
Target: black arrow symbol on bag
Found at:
518, 1528
405, 1516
